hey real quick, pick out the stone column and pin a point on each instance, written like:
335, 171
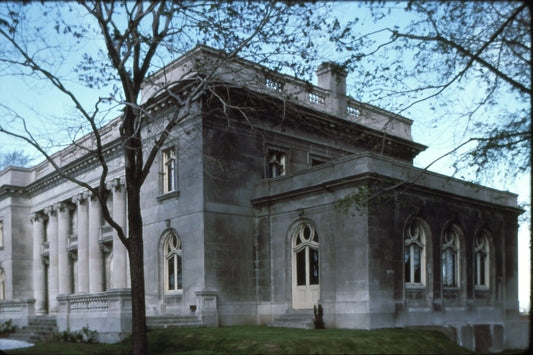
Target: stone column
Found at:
120, 254
95, 269
63, 266
83, 242
51, 211
38, 269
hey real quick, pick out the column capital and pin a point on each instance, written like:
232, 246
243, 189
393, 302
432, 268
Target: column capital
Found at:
116, 184
51, 210
38, 216
87, 195
79, 199
65, 206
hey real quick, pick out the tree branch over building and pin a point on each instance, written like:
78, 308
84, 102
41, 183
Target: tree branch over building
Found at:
98, 55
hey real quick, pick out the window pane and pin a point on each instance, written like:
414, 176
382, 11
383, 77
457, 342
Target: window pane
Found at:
449, 267
276, 164
482, 275
453, 268
171, 280
313, 266
416, 265
300, 268
180, 283
307, 232
407, 263
171, 172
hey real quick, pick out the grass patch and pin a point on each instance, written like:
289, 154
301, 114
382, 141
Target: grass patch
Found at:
265, 340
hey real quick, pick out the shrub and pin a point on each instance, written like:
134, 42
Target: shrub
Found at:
318, 321
8, 327
85, 335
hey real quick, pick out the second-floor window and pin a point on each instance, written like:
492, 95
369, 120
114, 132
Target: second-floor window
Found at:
169, 170
277, 163
1, 233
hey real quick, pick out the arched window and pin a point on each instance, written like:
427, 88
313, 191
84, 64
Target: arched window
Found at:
2, 284
451, 249
305, 267
414, 253
173, 262
481, 259
305, 247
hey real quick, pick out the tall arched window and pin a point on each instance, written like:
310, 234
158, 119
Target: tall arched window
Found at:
2, 284
481, 259
414, 253
305, 246
305, 265
451, 249
173, 261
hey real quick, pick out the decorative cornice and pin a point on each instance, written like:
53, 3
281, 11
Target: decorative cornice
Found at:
13, 191
73, 168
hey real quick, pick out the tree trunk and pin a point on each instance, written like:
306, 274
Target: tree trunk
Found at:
133, 159
139, 344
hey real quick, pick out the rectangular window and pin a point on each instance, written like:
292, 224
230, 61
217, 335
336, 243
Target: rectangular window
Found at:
169, 170
277, 163
1, 234
316, 160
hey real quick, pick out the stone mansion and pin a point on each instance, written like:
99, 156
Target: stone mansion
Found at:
244, 220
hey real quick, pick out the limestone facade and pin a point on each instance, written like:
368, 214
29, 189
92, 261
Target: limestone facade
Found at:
244, 222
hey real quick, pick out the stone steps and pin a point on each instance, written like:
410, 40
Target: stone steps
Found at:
295, 319
154, 322
38, 330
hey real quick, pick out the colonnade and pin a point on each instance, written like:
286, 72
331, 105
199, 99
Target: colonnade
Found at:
52, 228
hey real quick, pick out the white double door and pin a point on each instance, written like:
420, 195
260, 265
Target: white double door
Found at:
305, 271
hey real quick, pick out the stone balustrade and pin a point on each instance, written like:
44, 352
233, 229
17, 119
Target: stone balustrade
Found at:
108, 312
87, 303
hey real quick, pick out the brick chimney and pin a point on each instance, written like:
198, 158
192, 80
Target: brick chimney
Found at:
332, 77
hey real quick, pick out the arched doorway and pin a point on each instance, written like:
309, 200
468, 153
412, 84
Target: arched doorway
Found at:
305, 267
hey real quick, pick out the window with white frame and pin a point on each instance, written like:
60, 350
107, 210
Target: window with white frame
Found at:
305, 248
1, 233
169, 170
2, 284
451, 249
415, 253
173, 263
481, 259
277, 163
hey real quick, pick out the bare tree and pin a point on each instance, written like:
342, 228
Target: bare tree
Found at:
467, 62
15, 157
121, 43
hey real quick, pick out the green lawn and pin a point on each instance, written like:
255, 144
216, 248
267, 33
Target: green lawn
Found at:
265, 340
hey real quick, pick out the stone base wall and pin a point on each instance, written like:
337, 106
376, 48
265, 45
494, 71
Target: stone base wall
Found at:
108, 312
17, 310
